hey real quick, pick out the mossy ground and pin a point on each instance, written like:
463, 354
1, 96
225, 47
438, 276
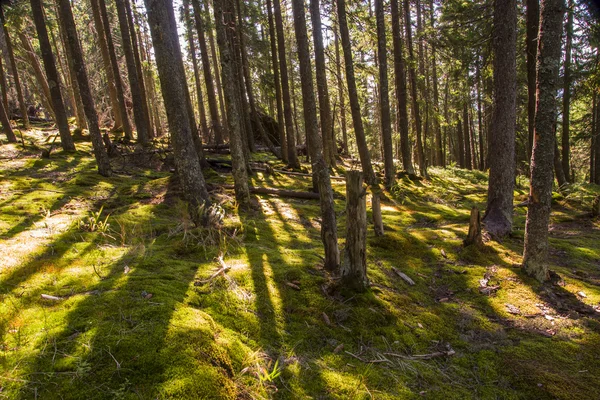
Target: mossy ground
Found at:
133, 324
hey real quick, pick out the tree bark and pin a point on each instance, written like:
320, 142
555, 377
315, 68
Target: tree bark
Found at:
169, 61
225, 24
40, 77
132, 73
353, 269
498, 214
66, 19
467, 136
13, 65
285, 88
384, 100
6, 127
60, 113
401, 95
277, 83
320, 170
540, 195
561, 180
460, 144
115, 69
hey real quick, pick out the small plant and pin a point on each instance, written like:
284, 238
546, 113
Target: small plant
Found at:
265, 376
95, 223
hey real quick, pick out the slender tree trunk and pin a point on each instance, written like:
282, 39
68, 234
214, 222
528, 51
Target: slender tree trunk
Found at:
219, 86
134, 81
115, 69
594, 138
401, 95
384, 100
559, 173
319, 167
139, 69
225, 23
74, 92
40, 77
322, 87
413, 87
66, 19
533, 20
340, 86
192, 51
436, 96
566, 119
540, 195
596, 135
467, 136
480, 120
460, 144
13, 65
3, 84
277, 83
6, 128
353, 271
161, 19
60, 113
365, 157
110, 78
285, 88
153, 100
498, 215
208, 78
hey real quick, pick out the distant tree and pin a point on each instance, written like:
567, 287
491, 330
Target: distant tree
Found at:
540, 195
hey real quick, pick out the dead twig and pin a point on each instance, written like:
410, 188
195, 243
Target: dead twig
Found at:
221, 271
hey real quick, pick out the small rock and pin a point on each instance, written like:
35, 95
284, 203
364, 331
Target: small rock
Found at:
581, 294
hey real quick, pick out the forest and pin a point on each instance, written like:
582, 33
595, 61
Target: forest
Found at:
289, 199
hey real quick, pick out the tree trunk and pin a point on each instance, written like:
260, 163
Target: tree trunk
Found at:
3, 84
540, 195
115, 69
66, 19
110, 78
467, 136
319, 167
436, 100
460, 153
13, 65
60, 113
340, 86
134, 81
32, 57
225, 23
498, 214
165, 39
353, 269
413, 88
285, 88
533, 21
322, 87
596, 135
6, 128
208, 78
480, 121
401, 95
359, 130
277, 83
561, 180
192, 53
566, 152
384, 100
139, 69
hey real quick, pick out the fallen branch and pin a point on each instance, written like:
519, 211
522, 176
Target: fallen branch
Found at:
221, 271
53, 298
423, 356
365, 361
280, 171
403, 276
279, 192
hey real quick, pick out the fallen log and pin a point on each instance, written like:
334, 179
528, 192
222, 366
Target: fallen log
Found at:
280, 171
279, 192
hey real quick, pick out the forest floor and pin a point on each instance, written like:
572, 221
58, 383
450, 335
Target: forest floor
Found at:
134, 314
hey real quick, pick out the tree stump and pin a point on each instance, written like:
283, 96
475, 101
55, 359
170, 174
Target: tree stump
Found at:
474, 236
596, 207
353, 270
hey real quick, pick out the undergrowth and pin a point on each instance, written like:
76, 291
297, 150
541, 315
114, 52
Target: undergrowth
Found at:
138, 304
